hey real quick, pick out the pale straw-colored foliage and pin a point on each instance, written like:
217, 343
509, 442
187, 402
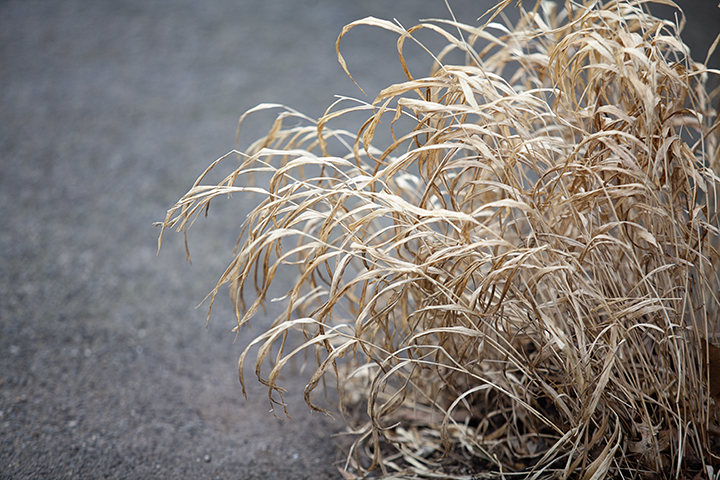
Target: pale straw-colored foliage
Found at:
525, 280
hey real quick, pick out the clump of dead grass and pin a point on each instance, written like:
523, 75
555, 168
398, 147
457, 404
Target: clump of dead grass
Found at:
523, 281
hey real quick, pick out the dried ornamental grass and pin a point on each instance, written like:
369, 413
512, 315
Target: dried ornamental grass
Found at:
524, 282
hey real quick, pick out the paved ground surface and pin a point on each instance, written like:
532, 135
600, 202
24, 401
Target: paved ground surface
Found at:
108, 112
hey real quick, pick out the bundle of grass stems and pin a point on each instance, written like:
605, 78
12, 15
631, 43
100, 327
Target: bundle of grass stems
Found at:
523, 282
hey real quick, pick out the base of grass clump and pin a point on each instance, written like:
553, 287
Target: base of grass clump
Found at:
524, 282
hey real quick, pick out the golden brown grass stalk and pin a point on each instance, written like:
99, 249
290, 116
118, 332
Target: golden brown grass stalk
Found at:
523, 281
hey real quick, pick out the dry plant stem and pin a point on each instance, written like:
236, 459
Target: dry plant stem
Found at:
526, 279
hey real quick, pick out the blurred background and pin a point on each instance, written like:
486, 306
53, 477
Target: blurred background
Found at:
108, 113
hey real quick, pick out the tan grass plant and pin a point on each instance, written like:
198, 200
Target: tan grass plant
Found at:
524, 282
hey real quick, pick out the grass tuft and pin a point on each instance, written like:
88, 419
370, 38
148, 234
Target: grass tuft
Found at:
523, 280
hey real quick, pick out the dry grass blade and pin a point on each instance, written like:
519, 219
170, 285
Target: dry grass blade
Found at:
524, 282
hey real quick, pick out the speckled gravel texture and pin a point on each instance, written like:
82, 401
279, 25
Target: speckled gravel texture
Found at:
108, 112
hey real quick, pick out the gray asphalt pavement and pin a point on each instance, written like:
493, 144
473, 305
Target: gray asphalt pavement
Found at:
108, 112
